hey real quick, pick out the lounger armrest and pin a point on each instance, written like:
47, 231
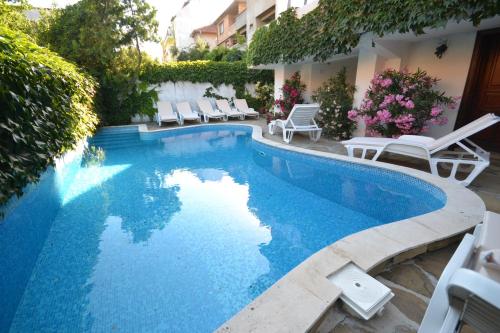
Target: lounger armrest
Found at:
466, 282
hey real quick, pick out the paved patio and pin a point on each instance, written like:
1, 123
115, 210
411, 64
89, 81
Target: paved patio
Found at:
412, 281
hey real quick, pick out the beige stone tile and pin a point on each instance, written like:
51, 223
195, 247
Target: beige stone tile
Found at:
367, 248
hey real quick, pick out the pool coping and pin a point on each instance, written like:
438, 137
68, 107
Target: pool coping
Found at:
299, 299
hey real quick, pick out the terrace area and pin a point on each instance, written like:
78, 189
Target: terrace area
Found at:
413, 280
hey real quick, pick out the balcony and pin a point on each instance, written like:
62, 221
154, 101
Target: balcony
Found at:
240, 21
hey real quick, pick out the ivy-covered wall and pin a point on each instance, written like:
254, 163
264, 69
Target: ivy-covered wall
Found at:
235, 73
46, 107
335, 26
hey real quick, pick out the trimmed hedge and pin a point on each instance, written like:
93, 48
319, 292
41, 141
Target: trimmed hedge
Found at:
46, 107
335, 26
214, 72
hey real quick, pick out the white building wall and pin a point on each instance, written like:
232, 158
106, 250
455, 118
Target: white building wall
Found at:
452, 69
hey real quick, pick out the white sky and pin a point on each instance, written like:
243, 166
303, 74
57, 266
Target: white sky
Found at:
166, 9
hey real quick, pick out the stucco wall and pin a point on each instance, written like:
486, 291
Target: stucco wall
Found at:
185, 91
313, 75
452, 69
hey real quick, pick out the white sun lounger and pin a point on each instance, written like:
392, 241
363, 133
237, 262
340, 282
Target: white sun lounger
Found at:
300, 119
223, 105
186, 113
165, 113
471, 156
208, 112
242, 106
466, 292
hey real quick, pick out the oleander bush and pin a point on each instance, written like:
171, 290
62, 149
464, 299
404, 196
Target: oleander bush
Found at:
46, 107
335, 26
335, 98
401, 102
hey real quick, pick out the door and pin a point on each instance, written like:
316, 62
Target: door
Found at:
482, 90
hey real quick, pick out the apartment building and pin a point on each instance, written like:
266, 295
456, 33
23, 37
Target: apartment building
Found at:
231, 22
472, 60
207, 33
193, 15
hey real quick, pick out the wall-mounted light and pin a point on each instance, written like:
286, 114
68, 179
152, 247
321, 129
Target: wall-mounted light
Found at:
441, 49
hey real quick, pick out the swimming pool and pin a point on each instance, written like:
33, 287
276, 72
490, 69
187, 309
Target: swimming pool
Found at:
178, 230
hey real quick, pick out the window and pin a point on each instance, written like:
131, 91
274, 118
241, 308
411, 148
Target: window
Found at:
221, 28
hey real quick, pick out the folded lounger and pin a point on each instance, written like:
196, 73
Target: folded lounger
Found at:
223, 105
165, 113
242, 106
208, 112
300, 119
468, 291
186, 113
435, 150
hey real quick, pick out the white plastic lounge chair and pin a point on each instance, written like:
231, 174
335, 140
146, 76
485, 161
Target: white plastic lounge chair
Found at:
186, 113
223, 105
471, 158
208, 112
165, 113
242, 106
300, 119
465, 294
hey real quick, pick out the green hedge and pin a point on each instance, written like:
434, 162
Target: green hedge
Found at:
214, 72
335, 26
46, 107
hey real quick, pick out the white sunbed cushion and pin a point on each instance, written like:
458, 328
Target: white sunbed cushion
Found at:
368, 141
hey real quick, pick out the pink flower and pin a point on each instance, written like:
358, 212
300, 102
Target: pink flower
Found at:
409, 104
436, 111
399, 98
352, 114
384, 116
294, 93
386, 82
370, 121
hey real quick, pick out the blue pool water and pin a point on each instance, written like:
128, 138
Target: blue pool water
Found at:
179, 230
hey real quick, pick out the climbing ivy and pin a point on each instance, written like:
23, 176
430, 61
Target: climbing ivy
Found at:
335, 26
46, 107
215, 72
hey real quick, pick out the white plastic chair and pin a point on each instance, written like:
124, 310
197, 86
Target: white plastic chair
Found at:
300, 119
223, 106
471, 158
208, 112
186, 113
466, 292
242, 106
165, 113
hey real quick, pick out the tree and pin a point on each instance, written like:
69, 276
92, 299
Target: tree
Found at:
139, 25
87, 33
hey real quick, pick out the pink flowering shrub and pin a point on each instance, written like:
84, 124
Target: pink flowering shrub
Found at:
292, 94
399, 102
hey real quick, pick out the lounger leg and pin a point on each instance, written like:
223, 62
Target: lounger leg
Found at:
350, 151
287, 136
270, 128
377, 153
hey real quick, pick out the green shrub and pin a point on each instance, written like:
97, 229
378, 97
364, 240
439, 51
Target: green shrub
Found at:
335, 97
47, 107
214, 72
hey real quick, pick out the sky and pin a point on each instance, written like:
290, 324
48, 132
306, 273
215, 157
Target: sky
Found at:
166, 9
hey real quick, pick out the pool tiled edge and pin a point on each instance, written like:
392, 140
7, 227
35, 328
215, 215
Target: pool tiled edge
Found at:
301, 297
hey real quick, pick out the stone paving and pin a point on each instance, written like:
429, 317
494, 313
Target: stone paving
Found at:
412, 281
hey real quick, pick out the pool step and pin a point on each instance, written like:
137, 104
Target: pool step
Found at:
112, 140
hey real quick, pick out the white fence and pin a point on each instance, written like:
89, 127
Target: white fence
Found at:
186, 91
